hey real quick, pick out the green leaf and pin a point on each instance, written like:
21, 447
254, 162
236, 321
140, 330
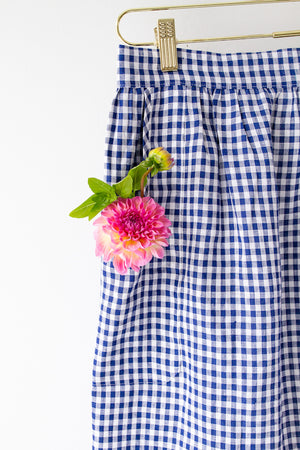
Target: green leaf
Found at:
154, 171
99, 186
147, 162
113, 196
124, 187
83, 210
101, 201
136, 174
96, 209
101, 198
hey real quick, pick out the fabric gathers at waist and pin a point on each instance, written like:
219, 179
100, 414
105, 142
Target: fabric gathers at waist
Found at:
276, 69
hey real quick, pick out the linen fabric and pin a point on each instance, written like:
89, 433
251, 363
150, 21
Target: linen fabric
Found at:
201, 349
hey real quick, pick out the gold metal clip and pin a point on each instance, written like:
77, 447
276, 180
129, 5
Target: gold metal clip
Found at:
166, 42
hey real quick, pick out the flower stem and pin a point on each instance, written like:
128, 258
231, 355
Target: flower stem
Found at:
143, 179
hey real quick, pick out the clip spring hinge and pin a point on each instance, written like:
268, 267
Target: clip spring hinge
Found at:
166, 42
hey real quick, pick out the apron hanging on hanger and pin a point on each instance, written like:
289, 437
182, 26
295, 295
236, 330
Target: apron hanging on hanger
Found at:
201, 349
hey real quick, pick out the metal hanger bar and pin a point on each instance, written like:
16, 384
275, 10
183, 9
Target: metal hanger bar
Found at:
276, 34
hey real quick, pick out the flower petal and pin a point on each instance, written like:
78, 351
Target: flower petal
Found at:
148, 255
162, 241
131, 245
100, 221
157, 251
103, 245
135, 268
144, 242
120, 265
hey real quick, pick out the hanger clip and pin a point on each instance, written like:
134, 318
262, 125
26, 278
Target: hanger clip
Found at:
166, 42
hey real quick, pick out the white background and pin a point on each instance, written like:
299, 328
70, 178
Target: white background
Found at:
58, 64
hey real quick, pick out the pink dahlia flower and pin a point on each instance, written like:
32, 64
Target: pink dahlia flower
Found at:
131, 231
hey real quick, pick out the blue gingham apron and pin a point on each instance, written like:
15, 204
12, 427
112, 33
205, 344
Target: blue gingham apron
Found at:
201, 349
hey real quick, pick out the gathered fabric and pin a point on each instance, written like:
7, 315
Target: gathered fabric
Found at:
200, 349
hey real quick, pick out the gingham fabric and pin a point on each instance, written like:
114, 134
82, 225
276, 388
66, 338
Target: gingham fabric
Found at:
201, 349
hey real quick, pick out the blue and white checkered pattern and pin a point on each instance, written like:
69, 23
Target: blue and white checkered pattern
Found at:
201, 349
